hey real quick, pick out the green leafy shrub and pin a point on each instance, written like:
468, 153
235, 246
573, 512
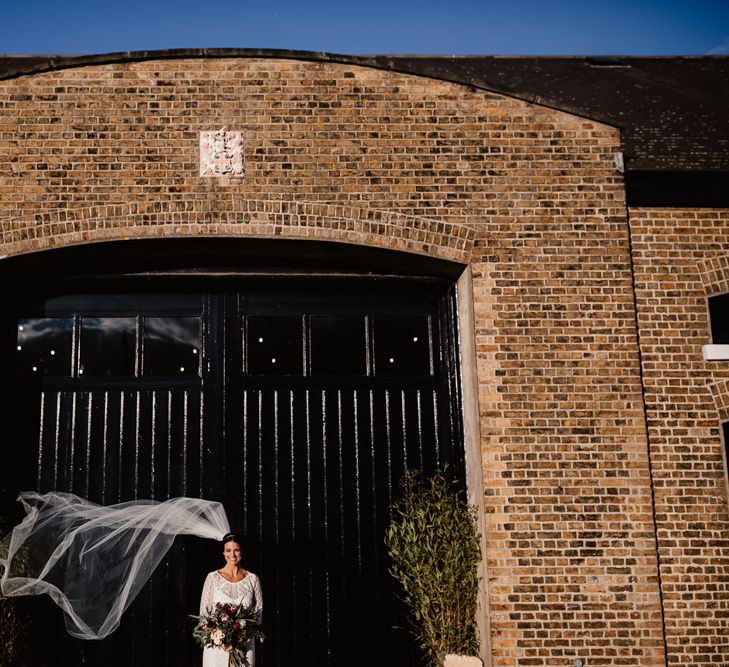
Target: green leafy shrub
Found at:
13, 621
434, 547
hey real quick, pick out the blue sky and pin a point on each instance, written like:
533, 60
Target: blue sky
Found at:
528, 27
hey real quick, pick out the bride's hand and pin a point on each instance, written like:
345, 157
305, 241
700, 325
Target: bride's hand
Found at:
227, 649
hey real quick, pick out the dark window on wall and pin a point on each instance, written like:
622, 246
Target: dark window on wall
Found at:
44, 346
171, 346
108, 346
719, 316
275, 345
79, 337
335, 345
402, 345
338, 345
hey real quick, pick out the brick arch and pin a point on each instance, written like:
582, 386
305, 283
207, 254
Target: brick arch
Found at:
714, 274
720, 392
236, 218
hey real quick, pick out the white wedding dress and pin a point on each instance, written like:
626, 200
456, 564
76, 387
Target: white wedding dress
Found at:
218, 589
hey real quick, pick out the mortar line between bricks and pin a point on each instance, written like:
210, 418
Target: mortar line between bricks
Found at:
647, 433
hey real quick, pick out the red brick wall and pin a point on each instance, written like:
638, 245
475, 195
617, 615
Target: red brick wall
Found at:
681, 257
572, 560
528, 195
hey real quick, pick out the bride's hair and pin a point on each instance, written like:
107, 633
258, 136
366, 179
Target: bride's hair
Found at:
232, 537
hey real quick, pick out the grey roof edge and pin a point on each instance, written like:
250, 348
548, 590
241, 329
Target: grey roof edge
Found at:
428, 66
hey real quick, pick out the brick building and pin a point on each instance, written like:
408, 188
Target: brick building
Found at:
569, 219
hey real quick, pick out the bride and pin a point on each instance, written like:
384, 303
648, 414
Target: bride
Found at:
232, 585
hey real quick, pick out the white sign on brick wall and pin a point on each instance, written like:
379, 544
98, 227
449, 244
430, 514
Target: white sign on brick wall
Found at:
221, 153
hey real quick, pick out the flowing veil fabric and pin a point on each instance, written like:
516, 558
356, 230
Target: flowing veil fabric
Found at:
94, 560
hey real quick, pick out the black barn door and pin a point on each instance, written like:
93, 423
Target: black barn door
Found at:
299, 409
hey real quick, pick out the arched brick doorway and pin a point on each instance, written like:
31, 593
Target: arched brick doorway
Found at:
293, 381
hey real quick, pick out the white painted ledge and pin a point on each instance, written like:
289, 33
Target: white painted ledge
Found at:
715, 352
462, 661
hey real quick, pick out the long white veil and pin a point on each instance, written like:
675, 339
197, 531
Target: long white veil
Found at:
93, 560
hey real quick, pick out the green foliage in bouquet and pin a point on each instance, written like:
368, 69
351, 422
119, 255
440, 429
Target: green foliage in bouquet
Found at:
433, 543
229, 625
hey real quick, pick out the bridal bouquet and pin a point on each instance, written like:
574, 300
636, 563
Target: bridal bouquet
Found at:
228, 625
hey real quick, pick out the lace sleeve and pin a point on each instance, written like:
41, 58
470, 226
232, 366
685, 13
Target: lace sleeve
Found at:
206, 599
258, 594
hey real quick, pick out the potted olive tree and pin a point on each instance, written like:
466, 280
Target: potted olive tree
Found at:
434, 549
